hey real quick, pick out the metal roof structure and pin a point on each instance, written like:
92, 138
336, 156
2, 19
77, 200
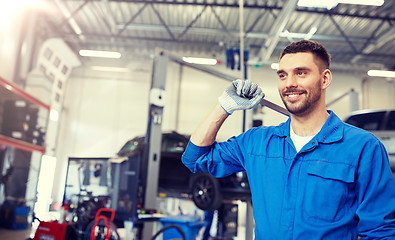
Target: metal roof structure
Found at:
355, 35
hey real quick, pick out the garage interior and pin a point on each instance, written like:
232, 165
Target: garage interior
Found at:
97, 97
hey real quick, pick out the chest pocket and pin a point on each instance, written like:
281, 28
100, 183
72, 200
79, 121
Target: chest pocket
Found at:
327, 195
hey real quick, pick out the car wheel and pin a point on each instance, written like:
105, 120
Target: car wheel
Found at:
205, 192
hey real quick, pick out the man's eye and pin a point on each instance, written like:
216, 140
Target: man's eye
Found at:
281, 76
301, 73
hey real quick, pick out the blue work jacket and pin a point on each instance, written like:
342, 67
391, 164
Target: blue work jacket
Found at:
338, 186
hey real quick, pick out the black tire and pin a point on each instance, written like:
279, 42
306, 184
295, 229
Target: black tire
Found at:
205, 192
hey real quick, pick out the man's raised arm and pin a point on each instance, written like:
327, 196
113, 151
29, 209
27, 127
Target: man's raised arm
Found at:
206, 133
239, 95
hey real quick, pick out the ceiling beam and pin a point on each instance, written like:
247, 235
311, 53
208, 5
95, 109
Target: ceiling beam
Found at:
380, 41
277, 28
191, 23
69, 17
376, 44
157, 13
106, 9
264, 5
127, 41
259, 5
232, 33
343, 34
126, 25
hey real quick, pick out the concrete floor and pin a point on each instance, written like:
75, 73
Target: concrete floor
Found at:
6, 234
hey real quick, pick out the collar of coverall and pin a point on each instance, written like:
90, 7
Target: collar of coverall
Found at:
332, 131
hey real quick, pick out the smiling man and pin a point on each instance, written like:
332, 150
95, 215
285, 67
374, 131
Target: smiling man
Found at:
311, 177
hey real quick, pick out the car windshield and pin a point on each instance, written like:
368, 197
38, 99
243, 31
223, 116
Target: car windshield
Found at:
368, 121
130, 146
391, 121
173, 144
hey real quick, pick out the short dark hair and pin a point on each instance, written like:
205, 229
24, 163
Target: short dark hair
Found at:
317, 49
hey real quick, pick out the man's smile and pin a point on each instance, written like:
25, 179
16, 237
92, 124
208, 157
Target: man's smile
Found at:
293, 95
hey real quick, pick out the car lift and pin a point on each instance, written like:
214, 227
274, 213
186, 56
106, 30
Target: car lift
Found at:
154, 131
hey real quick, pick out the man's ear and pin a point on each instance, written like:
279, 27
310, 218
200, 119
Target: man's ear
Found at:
326, 78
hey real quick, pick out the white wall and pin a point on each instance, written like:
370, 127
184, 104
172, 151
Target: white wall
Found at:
11, 24
380, 93
101, 112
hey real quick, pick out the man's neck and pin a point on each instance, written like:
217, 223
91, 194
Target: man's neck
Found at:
310, 124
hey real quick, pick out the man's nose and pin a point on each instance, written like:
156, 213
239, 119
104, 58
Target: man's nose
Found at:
291, 81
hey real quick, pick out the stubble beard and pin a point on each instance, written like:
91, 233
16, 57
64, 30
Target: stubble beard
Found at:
307, 104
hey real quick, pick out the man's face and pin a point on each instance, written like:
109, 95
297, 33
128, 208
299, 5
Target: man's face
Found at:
300, 82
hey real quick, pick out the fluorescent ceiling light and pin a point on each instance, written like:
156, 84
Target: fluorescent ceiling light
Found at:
274, 66
204, 61
310, 34
102, 54
381, 73
329, 4
363, 2
71, 20
75, 27
110, 69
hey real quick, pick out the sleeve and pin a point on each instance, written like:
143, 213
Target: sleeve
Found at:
219, 159
376, 194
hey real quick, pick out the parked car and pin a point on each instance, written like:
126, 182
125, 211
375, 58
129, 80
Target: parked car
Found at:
175, 179
379, 122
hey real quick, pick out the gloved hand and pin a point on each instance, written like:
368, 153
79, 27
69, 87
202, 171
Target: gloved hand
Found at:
240, 95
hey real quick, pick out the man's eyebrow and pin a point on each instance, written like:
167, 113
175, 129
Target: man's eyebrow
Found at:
295, 69
302, 68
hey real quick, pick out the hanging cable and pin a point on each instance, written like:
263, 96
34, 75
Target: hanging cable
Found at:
241, 60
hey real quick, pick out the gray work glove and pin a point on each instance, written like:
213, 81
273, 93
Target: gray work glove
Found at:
240, 95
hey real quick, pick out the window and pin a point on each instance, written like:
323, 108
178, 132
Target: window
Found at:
51, 77
56, 62
43, 69
48, 53
60, 84
65, 69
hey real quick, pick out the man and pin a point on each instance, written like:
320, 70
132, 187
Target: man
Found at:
311, 177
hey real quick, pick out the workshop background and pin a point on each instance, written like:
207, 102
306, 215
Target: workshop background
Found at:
90, 106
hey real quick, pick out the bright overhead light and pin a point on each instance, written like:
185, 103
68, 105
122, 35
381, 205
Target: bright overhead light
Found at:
329, 4
381, 73
23, 4
204, 61
102, 54
310, 34
274, 66
363, 2
8, 8
75, 26
110, 69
